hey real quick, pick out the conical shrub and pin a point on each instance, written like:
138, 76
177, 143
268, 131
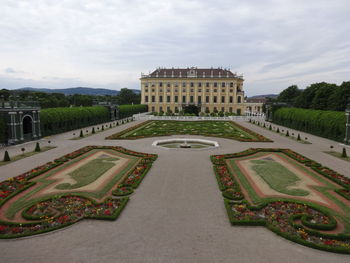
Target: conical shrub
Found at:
93, 130
287, 133
6, 157
37, 147
298, 137
343, 154
81, 134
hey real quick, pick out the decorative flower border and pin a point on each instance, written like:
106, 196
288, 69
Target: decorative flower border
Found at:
258, 137
63, 210
297, 221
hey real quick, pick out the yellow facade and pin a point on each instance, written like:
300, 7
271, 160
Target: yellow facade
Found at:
218, 90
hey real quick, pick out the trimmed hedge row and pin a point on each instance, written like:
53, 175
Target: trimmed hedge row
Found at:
328, 124
129, 110
57, 120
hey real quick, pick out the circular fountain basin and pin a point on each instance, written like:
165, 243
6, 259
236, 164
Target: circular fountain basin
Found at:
183, 143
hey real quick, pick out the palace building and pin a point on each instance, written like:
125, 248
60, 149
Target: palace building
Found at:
208, 89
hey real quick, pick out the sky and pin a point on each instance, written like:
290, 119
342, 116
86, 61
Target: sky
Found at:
109, 43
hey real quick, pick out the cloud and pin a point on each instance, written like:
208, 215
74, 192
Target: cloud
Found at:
12, 71
109, 43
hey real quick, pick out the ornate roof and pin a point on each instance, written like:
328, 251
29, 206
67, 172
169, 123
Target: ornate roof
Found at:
192, 72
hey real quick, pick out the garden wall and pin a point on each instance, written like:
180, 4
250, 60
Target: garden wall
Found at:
327, 124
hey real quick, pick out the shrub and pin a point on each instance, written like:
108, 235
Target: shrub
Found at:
343, 154
298, 137
93, 130
81, 134
328, 124
37, 147
278, 130
287, 133
6, 157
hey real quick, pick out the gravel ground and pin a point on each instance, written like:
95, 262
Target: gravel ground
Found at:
176, 215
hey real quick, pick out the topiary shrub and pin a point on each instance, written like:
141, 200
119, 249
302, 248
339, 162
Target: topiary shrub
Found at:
37, 147
287, 133
298, 137
6, 157
270, 128
344, 154
103, 128
278, 130
81, 134
93, 130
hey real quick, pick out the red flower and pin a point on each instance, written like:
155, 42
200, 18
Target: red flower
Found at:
107, 212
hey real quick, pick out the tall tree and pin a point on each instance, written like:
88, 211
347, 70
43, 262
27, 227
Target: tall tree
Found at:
289, 94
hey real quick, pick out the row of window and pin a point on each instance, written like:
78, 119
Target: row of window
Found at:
193, 84
199, 99
238, 89
206, 109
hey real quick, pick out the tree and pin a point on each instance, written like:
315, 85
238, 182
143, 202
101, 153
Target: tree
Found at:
191, 109
320, 100
289, 94
339, 98
127, 96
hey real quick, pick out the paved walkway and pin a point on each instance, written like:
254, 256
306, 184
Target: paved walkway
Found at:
176, 215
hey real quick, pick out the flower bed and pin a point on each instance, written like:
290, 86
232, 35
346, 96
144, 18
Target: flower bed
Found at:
224, 129
305, 222
53, 212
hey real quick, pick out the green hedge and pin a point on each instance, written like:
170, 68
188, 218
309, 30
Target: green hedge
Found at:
57, 120
328, 124
129, 110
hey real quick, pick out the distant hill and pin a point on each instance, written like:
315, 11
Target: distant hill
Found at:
80, 90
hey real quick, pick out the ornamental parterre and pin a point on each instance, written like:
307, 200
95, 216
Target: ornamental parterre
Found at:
223, 129
291, 195
45, 199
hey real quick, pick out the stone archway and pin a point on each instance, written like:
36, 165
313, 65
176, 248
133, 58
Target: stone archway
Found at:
27, 127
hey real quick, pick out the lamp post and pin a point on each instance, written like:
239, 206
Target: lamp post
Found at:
347, 131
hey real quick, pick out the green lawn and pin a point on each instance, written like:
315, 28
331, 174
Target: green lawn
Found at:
28, 200
226, 129
277, 177
89, 172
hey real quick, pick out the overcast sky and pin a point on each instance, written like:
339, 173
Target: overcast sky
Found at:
108, 43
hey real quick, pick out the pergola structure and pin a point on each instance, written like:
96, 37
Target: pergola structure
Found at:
20, 121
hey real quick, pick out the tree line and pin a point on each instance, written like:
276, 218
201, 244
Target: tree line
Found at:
317, 96
54, 100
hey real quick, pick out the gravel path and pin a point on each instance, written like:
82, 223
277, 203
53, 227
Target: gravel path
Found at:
176, 215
